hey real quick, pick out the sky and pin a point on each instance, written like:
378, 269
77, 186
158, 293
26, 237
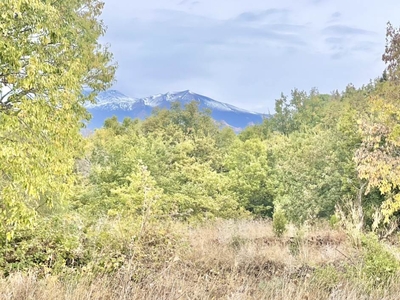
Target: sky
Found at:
246, 52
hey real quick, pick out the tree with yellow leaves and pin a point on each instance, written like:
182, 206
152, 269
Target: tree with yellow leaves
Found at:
378, 157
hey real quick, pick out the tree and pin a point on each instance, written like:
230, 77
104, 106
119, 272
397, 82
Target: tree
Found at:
49, 52
378, 158
283, 118
250, 175
301, 111
392, 54
314, 164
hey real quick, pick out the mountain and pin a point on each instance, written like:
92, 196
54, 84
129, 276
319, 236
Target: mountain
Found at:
112, 102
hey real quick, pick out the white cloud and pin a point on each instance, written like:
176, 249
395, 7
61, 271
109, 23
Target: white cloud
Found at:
246, 52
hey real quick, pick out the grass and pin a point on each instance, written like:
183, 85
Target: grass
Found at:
222, 260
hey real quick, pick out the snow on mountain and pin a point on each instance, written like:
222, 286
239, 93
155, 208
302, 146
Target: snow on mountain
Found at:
113, 102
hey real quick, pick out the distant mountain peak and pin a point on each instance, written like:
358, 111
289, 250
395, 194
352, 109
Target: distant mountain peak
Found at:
113, 102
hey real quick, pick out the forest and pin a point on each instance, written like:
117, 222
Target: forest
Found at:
303, 206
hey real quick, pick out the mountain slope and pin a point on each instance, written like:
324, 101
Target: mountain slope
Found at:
112, 102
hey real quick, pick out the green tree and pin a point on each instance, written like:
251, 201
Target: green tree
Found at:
250, 176
182, 150
298, 113
283, 118
314, 164
309, 175
49, 52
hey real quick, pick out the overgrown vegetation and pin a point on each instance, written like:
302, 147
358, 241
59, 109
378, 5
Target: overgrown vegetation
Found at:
163, 205
226, 259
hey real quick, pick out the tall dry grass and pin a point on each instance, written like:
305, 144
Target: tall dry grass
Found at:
220, 260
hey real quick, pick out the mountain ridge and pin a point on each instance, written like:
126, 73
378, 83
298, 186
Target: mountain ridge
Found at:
113, 102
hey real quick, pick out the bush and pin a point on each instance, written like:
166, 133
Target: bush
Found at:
379, 264
53, 245
296, 242
334, 221
326, 277
279, 222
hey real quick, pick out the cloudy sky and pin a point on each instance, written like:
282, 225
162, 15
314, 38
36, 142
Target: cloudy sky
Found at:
246, 52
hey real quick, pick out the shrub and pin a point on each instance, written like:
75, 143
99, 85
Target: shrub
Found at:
279, 222
334, 221
54, 245
296, 242
379, 264
326, 277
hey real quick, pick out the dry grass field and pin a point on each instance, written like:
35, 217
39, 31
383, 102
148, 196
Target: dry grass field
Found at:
224, 260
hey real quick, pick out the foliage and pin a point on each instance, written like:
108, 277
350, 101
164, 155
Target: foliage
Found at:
313, 162
378, 156
379, 265
302, 111
250, 177
51, 245
310, 171
279, 222
334, 220
43, 68
327, 277
181, 151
